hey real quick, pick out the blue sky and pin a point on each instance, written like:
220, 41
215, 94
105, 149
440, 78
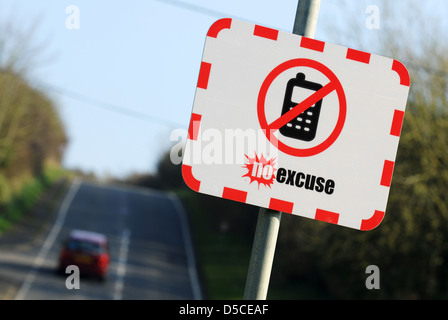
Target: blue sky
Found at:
127, 77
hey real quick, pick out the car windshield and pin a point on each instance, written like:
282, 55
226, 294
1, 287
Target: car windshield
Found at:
84, 246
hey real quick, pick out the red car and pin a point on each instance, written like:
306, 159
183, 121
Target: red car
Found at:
88, 251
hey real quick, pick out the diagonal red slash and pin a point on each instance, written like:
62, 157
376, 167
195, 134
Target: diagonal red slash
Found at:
301, 107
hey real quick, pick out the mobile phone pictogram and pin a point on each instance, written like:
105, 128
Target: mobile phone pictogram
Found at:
304, 126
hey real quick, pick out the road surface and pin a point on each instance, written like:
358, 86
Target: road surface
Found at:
150, 247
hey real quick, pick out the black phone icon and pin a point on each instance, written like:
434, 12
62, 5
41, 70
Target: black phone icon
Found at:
304, 126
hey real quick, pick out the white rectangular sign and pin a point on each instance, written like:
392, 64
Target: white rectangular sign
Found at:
295, 124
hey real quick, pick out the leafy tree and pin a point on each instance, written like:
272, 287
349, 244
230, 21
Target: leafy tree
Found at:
32, 134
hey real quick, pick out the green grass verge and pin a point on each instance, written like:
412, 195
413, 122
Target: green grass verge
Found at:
223, 257
225, 261
26, 197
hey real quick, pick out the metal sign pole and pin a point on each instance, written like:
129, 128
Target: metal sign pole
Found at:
262, 256
268, 223
306, 18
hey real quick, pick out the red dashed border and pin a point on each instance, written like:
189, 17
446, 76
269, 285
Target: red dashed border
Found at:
190, 180
219, 25
397, 122
373, 222
193, 129
282, 205
265, 32
359, 56
327, 216
204, 75
312, 44
403, 73
386, 176
234, 194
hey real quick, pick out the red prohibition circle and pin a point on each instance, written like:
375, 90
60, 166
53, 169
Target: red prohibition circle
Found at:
336, 85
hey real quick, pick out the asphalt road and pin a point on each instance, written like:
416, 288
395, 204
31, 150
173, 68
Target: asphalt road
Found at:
149, 240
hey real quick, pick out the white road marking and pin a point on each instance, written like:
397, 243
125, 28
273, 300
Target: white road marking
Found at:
48, 243
122, 260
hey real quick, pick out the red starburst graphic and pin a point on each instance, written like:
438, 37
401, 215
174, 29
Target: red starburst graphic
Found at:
261, 170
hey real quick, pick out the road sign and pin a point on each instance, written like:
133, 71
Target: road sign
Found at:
295, 124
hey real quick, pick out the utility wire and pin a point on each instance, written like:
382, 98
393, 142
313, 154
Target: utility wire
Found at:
110, 107
197, 9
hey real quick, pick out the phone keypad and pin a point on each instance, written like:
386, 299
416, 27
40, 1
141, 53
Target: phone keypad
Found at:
303, 127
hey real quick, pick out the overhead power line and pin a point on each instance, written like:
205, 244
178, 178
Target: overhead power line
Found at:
110, 107
197, 9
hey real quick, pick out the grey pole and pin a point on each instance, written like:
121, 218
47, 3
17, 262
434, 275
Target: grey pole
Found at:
262, 255
306, 18
268, 223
